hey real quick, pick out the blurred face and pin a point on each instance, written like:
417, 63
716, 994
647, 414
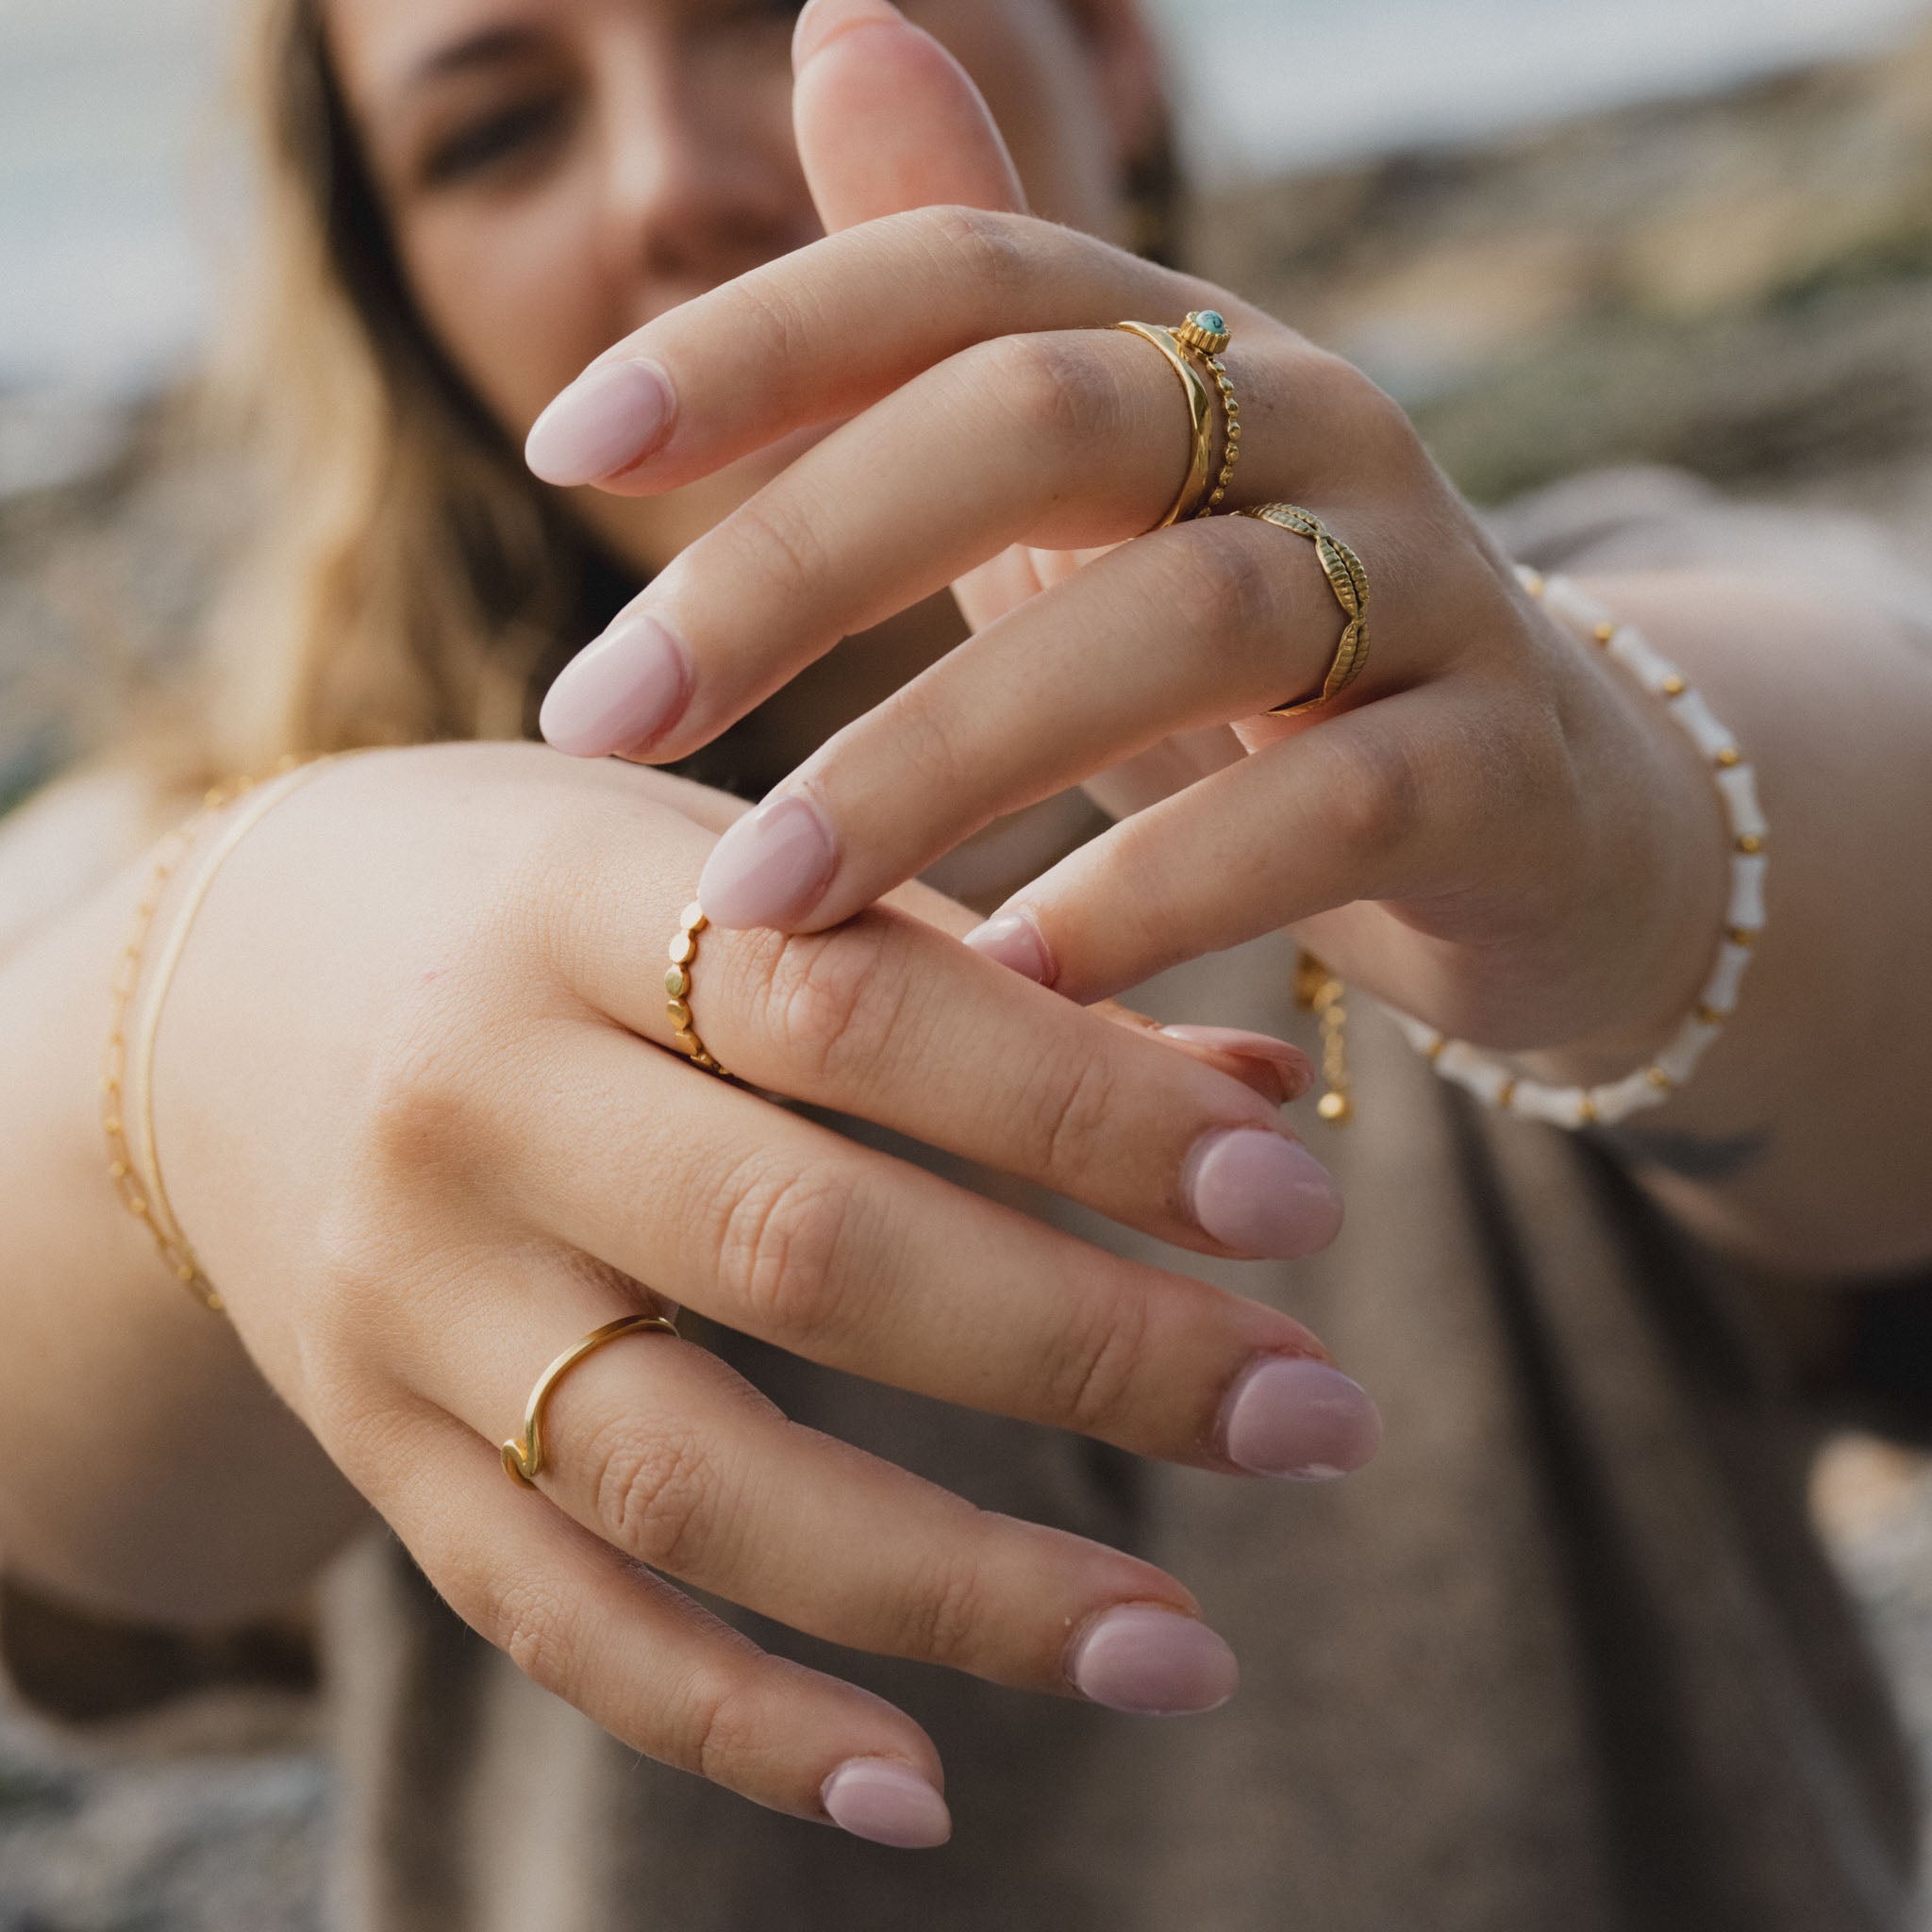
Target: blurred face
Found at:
559, 172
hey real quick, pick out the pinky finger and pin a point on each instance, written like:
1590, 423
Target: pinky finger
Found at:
651, 1666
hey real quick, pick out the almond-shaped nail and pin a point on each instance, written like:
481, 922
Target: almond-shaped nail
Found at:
622, 692
1261, 1194
770, 868
1290, 1416
1015, 941
1290, 1068
874, 1798
1158, 1663
606, 419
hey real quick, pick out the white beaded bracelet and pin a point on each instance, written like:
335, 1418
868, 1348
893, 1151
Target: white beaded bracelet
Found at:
1579, 1107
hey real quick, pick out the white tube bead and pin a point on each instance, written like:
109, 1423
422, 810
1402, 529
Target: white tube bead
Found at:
1564, 601
1747, 892
1419, 1033
1618, 1101
1461, 1063
1720, 990
1694, 717
1739, 788
1647, 665
1680, 1059
1562, 1107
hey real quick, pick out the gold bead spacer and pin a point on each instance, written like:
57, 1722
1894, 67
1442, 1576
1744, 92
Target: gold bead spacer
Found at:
1751, 844
1674, 686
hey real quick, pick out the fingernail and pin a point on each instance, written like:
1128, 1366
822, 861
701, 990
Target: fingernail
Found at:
874, 1798
1292, 1417
1261, 1194
772, 867
1289, 1065
1156, 1662
1016, 941
622, 692
813, 34
607, 419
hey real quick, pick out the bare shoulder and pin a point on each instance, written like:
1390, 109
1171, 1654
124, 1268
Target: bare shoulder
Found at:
69, 840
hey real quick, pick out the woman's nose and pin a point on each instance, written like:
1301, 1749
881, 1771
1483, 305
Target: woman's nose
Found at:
700, 176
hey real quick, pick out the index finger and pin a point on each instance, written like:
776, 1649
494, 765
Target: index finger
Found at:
823, 333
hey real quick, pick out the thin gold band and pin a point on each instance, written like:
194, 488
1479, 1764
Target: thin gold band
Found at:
1200, 416
522, 1458
1350, 583
138, 1180
684, 952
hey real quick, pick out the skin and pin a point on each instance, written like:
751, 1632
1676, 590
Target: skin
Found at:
471, 1182
410, 1074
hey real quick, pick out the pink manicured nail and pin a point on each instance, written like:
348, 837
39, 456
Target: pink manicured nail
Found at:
1290, 1064
622, 692
875, 1799
1016, 941
1155, 1662
607, 419
1292, 1417
1261, 1194
811, 37
770, 868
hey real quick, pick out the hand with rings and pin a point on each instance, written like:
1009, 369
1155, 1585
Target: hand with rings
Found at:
1339, 712
427, 1093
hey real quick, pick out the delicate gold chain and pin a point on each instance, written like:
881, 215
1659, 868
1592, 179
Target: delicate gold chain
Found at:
143, 1194
684, 952
1317, 990
1231, 419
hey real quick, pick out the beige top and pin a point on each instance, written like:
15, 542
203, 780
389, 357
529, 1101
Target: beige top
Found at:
1565, 1657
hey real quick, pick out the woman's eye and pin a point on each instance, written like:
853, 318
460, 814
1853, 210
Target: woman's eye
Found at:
492, 140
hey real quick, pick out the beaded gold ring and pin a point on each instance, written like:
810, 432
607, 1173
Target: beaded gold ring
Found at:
1206, 332
684, 952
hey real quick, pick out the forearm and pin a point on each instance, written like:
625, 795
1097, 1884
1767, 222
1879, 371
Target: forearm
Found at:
150, 1470
1804, 1137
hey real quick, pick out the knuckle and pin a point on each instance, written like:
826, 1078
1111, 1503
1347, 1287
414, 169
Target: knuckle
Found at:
838, 998
530, 1620
941, 1619
656, 1493
778, 1250
1236, 587
720, 1725
1058, 387
780, 541
1093, 1361
1077, 1102
987, 248
1375, 794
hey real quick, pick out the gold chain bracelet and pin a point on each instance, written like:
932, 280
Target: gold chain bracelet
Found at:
142, 1190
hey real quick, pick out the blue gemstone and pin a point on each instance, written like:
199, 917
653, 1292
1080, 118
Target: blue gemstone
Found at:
1214, 323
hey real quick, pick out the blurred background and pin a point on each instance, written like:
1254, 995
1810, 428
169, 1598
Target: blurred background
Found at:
1688, 232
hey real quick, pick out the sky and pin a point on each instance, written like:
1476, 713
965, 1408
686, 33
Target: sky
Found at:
103, 106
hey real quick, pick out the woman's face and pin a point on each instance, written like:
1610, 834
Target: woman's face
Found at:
559, 172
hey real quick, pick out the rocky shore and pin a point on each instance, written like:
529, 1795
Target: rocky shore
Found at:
1742, 285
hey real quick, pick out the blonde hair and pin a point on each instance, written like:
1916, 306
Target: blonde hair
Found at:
406, 579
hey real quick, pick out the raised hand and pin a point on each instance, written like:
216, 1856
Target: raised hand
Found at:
1490, 828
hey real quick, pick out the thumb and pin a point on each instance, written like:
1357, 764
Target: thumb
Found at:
887, 120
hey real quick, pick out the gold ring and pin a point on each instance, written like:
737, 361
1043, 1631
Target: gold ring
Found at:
523, 1459
1350, 583
1200, 416
684, 952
